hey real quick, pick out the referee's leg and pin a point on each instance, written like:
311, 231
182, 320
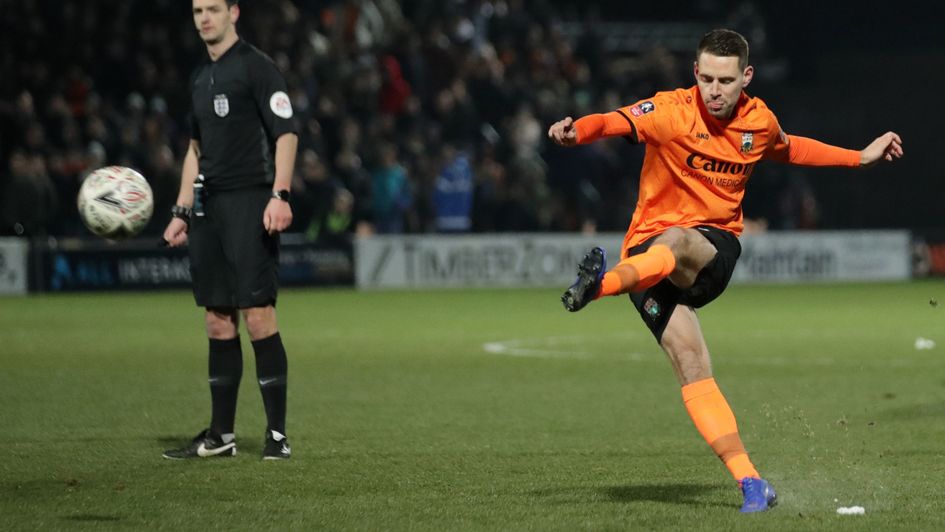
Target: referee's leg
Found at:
271, 372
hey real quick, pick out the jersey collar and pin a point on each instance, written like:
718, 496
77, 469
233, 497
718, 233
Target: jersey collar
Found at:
742, 116
237, 44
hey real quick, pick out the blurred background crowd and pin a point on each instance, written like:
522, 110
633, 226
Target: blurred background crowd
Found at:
416, 115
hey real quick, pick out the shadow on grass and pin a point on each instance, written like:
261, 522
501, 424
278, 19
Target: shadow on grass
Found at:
691, 494
669, 493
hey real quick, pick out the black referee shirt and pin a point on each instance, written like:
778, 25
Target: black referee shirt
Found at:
239, 108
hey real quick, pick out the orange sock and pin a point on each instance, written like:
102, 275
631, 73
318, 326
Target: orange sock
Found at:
639, 272
716, 422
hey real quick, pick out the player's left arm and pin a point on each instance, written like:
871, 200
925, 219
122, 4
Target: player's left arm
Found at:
805, 151
809, 152
278, 214
275, 108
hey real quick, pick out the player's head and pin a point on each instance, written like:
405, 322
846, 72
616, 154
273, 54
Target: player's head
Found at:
215, 20
722, 70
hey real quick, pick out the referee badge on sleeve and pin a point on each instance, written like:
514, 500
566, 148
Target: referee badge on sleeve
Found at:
281, 105
221, 106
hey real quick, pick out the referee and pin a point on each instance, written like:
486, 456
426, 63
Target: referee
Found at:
233, 202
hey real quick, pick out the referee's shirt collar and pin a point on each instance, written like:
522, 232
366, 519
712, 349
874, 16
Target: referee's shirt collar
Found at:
238, 43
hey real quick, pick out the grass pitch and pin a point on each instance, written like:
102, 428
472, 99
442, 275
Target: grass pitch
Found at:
467, 410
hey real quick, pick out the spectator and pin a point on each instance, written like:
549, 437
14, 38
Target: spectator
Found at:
392, 196
453, 192
29, 197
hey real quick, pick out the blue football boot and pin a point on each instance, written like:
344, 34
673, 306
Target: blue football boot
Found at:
759, 495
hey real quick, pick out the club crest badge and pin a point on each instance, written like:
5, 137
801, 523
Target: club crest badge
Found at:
221, 106
652, 308
748, 141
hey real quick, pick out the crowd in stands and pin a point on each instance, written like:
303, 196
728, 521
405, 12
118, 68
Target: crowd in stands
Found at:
415, 115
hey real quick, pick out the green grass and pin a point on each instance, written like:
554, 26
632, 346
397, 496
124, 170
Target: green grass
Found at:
400, 418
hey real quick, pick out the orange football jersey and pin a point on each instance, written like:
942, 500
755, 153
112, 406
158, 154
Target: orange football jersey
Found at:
696, 166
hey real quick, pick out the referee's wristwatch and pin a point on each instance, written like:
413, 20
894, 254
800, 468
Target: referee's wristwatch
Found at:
281, 194
179, 211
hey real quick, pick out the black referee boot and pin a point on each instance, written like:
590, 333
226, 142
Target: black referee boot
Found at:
277, 446
204, 445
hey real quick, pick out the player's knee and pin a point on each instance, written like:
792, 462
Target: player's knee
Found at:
221, 325
260, 322
673, 238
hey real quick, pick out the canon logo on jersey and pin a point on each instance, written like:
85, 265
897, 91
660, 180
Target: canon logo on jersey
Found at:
697, 161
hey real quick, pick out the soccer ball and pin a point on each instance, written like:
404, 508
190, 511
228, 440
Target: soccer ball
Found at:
115, 202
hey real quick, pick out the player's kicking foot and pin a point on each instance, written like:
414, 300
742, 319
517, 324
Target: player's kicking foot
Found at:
277, 446
587, 285
204, 445
759, 495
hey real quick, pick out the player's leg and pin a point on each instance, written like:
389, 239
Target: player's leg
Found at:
686, 348
271, 373
254, 255
225, 369
212, 284
677, 253
706, 261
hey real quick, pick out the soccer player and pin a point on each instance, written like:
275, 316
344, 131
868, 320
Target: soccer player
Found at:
702, 145
233, 202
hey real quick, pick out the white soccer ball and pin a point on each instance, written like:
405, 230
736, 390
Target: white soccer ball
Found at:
115, 202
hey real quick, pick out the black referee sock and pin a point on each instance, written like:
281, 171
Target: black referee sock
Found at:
226, 370
271, 368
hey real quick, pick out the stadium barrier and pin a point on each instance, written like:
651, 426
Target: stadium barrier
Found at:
825, 256
436, 261
68, 265
533, 259
13, 266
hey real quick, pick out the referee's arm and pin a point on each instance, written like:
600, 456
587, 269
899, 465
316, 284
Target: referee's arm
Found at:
176, 232
188, 174
278, 214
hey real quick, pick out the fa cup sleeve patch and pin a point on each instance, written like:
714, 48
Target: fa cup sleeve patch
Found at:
642, 108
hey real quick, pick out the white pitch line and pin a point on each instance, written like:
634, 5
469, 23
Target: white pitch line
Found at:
556, 347
575, 347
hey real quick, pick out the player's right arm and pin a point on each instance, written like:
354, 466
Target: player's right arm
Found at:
569, 132
650, 121
176, 232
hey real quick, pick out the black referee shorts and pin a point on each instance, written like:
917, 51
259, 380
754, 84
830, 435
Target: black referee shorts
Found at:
234, 262
657, 303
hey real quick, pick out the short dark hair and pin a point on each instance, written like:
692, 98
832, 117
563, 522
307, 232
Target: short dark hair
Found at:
724, 43
231, 3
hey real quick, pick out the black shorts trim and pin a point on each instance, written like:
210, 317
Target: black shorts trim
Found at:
657, 303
